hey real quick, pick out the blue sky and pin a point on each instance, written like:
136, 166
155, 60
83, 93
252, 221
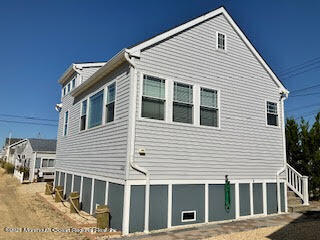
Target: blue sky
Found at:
39, 39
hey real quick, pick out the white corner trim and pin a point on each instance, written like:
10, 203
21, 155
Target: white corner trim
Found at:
126, 209
81, 185
72, 183
206, 203
251, 198
237, 200
106, 194
169, 223
92, 193
264, 194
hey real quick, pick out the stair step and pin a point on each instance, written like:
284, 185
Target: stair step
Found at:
298, 208
291, 194
294, 201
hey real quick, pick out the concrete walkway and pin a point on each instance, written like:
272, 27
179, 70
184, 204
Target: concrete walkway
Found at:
212, 230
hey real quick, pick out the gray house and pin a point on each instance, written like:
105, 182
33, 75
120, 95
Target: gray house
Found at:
154, 131
38, 155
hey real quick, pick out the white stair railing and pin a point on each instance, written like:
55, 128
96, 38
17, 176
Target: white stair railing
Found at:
298, 184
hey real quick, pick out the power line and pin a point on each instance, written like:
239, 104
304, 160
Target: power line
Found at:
29, 123
27, 117
308, 94
288, 69
298, 73
307, 88
306, 106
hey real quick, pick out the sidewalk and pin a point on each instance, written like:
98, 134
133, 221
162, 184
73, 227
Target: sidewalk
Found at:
212, 230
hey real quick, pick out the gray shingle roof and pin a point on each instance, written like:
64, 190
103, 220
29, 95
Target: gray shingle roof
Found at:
43, 145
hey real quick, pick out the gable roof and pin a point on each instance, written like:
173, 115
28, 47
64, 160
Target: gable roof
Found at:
135, 50
12, 140
43, 145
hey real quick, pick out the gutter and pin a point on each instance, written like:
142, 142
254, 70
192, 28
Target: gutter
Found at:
132, 142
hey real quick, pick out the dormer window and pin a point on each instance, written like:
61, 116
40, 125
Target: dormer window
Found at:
221, 41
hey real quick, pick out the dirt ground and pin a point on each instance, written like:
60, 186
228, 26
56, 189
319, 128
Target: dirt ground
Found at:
21, 208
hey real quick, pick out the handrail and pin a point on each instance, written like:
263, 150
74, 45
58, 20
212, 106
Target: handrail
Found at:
294, 170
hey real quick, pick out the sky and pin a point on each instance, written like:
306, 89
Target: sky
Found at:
39, 39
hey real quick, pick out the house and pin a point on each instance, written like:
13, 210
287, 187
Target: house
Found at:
6, 153
160, 130
37, 156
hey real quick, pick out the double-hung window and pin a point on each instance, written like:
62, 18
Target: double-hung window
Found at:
83, 117
64, 91
95, 109
272, 114
209, 111
51, 163
66, 121
183, 103
221, 41
45, 162
153, 98
73, 83
69, 87
111, 94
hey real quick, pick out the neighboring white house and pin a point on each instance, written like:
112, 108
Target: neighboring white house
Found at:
153, 132
37, 155
6, 152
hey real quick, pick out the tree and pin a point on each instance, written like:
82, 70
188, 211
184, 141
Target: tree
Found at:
306, 148
292, 142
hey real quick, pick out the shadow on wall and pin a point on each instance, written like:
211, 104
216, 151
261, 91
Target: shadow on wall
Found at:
306, 227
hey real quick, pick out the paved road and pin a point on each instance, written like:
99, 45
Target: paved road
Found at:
21, 208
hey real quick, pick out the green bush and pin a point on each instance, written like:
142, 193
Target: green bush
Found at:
25, 171
9, 168
2, 162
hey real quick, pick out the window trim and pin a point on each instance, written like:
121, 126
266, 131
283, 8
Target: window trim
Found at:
169, 91
165, 97
105, 101
218, 106
86, 126
103, 109
66, 133
225, 42
189, 220
266, 113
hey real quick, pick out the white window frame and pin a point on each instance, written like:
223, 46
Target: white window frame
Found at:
218, 106
189, 220
86, 126
105, 102
266, 113
165, 97
225, 41
65, 133
193, 103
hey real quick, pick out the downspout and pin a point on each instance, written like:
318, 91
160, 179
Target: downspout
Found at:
132, 146
284, 168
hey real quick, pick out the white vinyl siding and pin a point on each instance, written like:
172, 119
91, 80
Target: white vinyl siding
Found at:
241, 146
183, 103
153, 99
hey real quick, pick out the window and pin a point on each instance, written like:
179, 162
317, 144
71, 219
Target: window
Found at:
64, 91
182, 103
51, 163
83, 117
272, 114
111, 94
209, 107
153, 98
221, 44
95, 109
188, 216
66, 120
69, 86
73, 82
44, 162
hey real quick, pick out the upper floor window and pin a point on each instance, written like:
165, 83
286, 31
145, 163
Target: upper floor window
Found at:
209, 107
183, 103
95, 109
69, 87
64, 91
153, 98
111, 94
83, 117
272, 114
66, 121
221, 41
73, 83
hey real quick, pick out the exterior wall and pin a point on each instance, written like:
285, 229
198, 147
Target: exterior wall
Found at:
244, 198
68, 185
257, 198
102, 151
158, 207
137, 203
237, 148
272, 204
86, 194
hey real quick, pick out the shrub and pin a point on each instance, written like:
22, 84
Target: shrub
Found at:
9, 168
2, 162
